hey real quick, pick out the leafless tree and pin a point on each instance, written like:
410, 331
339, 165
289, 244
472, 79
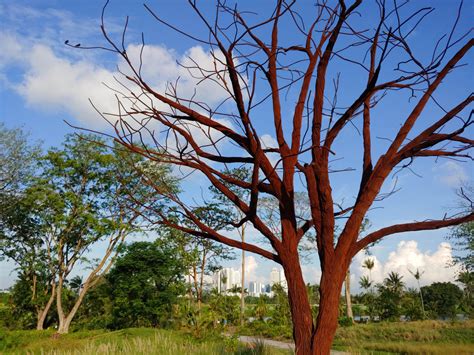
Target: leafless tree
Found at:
260, 69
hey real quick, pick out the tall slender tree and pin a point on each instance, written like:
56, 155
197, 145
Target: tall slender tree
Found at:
417, 275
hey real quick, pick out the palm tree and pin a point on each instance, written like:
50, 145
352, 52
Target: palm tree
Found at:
236, 290
76, 283
394, 282
417, 275
368, 296
365, 283
369, 265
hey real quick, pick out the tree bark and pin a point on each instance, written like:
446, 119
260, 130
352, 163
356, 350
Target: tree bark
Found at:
299, 305
62, 327
65, 320
42, 313
326, 324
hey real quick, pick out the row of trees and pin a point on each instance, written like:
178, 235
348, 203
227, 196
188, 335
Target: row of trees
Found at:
391, 299
146, 287
140, 290
71, 209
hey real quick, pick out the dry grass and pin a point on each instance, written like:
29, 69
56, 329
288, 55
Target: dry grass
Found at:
427, 337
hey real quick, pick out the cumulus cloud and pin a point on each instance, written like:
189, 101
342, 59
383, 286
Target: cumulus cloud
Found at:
53, 79
161, 66
54, 83
436, 266
12, 50
251, 269
451, 174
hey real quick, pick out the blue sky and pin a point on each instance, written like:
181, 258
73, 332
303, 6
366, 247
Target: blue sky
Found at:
43, 83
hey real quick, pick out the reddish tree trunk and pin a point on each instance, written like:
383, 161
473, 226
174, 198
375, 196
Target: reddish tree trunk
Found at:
326, 324
299, 305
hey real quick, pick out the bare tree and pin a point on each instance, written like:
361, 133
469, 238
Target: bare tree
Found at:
259, 68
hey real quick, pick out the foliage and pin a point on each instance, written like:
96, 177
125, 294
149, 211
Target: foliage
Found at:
144, 284
261, 309
17, 159
442, 299
224, 308
390, 294
281, 312
463, 235
466, 278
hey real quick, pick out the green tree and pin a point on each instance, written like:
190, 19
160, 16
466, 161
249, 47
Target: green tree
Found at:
394, 282
145, 283
82, 196
204, 255
281, 313
417, 275
369, 264
22, 240
26, 307
261, 309
463, 235
410, 305
365, 283
467, 280
442, 299
390, 294
17, 159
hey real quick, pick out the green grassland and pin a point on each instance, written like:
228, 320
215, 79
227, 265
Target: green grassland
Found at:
427, 337
127, 341
423, 337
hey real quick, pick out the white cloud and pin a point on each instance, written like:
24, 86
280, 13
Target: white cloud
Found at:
53, 81
408, 257
451, 174
251, 269
12, 50
268, 141
311, 274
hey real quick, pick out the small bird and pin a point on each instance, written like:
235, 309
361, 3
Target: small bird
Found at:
77, 45
66, 41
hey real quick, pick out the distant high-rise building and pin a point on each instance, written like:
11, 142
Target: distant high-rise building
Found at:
277, 276
256, 288
226, 279
274, 276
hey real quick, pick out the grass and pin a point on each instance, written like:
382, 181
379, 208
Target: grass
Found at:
427, 337
424, 337
127, 341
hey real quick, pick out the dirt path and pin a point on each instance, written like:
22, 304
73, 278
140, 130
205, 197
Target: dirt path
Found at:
278, 344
